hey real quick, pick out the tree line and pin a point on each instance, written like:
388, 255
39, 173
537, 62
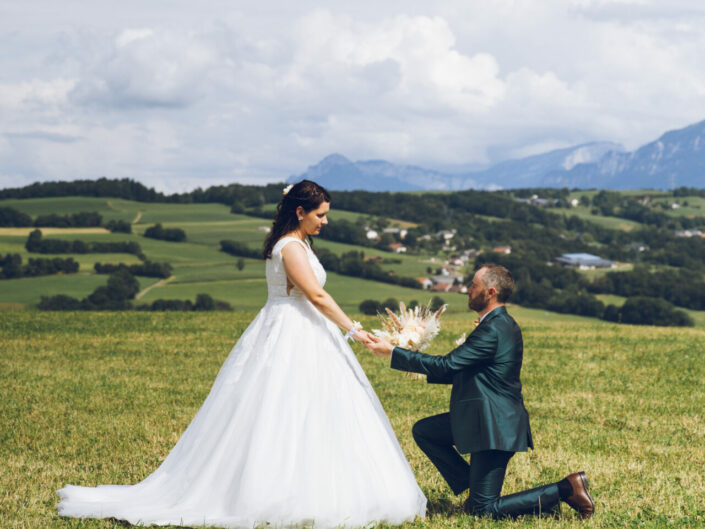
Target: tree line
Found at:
36, 243
681, 287
11, 266
146, 269
126, 188
10, 217
566, 291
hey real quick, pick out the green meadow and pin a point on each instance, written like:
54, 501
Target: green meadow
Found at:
198, 265
95, 398
91, 398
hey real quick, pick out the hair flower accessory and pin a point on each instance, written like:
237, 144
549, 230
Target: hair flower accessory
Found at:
287, 189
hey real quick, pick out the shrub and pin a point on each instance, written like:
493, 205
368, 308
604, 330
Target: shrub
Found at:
146, 269
119, 226
203, 302
239, 249
166, 234
643, 310
10, 217
59, 302
370, 307
391, 304
437, 302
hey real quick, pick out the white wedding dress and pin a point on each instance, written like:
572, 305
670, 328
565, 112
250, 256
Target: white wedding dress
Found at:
291, 434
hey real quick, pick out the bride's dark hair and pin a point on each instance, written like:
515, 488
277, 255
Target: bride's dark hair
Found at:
307, 194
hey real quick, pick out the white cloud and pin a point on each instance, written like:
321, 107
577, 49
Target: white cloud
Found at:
148, 68
180, 95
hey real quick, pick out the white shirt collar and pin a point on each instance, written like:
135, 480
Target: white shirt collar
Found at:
487, 313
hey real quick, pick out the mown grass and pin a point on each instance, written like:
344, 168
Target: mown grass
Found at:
101, 398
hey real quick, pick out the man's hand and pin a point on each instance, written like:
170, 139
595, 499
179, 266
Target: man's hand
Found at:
379, 346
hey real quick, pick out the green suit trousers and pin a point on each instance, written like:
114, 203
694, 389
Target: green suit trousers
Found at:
484, 476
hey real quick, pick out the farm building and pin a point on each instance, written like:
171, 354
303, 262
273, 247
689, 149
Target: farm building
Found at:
583, 261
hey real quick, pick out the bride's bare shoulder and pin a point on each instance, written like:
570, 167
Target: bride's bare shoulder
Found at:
285, 243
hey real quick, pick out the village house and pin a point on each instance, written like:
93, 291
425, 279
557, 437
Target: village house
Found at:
441, 287
535, 200
425, 282
446, 234
449, 278
689, 233
372, 234
458, 289
470, 254
637, 247
397, 247
401, 232
506, 250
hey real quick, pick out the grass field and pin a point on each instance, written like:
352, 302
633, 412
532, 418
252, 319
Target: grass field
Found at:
199, 266
612, 223
691, 206
102, 397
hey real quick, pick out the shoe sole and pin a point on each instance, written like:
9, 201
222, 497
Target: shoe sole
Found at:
586, 484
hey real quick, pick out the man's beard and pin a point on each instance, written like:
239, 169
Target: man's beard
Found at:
479, 302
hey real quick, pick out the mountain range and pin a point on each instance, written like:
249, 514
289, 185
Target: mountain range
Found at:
675, 159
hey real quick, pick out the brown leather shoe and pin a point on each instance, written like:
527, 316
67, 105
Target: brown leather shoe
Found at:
580, 499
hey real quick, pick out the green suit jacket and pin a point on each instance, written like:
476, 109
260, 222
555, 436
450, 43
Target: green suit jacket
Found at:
486, 407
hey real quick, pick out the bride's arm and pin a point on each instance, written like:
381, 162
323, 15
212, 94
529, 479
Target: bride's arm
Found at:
300, 273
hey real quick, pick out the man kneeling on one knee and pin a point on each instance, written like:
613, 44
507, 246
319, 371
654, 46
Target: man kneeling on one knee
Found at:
487, 416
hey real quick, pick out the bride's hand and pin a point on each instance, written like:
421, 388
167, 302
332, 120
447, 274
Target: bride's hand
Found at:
380, 347
363, 337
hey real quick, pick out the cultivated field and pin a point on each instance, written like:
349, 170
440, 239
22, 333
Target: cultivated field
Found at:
198, 265
95, 398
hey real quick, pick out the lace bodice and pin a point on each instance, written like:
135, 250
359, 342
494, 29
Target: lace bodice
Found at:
276, 276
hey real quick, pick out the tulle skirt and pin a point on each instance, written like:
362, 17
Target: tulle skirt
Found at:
290, 434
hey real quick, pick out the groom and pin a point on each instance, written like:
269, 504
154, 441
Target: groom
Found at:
487, 417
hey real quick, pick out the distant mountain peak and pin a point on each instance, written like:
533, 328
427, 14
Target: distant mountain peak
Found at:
676, 158
334, 159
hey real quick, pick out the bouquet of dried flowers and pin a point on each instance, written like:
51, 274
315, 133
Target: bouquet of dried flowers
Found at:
412, 329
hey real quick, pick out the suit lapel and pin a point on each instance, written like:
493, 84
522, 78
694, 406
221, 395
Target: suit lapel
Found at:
492, 315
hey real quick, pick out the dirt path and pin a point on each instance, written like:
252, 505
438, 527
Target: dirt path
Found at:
137, 217
158, 284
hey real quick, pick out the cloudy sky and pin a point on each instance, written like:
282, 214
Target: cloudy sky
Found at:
179, 94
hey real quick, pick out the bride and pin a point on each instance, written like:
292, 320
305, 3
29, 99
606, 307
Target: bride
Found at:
291, 432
